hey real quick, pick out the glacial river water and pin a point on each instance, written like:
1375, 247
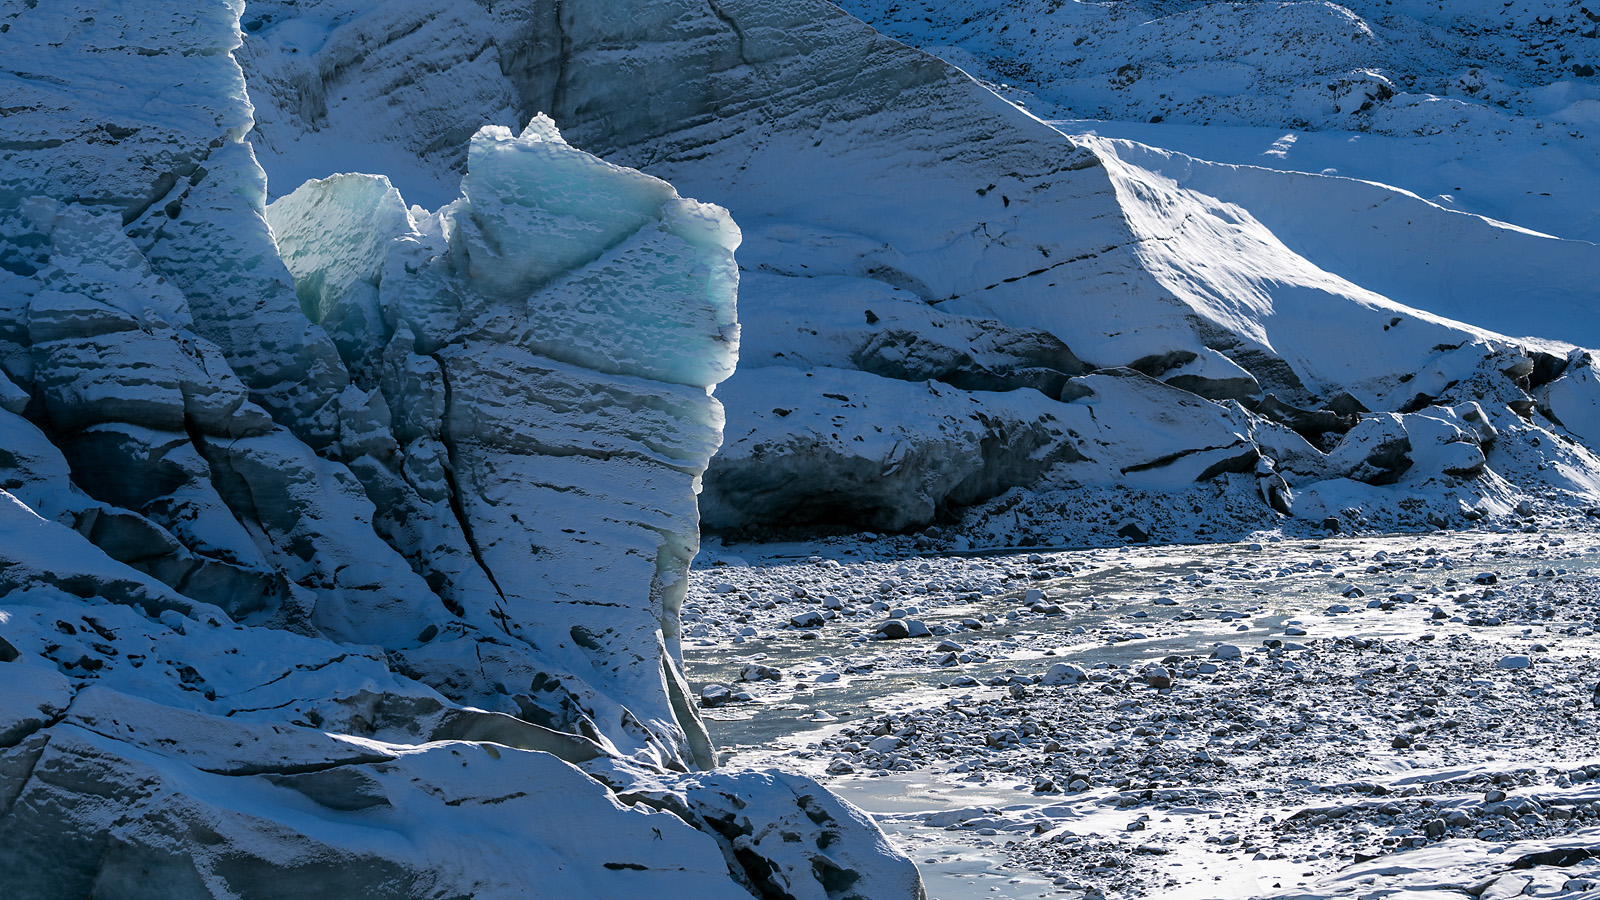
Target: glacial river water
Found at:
1119, 606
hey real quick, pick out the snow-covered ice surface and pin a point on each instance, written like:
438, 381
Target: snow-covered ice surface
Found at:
1384, 716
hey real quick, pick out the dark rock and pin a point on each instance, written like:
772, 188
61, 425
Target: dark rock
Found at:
809, 619
893, 629
1133, 532
758, 672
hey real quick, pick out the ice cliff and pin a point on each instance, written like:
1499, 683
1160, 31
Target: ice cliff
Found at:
945, 297
342, 542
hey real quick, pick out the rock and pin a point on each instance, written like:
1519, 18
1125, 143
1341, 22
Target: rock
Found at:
1064, 673
893, 629
1226, 651
1401, 741
1158, 677
885, 744
808, 619
759, 672
1133, 532
1514, 661
715, 695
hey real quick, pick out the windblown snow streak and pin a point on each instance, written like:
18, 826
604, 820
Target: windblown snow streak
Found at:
342, 543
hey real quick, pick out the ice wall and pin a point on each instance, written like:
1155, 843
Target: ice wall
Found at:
341, 542
544, 348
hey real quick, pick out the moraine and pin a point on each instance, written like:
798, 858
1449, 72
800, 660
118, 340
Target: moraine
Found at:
1377, 685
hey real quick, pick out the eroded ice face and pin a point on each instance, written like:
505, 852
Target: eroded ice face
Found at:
547, 344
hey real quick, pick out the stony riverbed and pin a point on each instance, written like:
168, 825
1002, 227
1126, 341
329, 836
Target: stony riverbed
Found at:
1262, 718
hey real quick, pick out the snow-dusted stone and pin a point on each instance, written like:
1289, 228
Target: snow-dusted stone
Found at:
758, 672
808, 619
714, 695
893, 630
885, 744
1514, 661
1064, 673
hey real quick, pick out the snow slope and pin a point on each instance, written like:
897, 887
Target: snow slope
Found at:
342, 543
1489, 104
876, 184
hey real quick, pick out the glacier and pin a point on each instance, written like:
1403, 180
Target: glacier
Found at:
342, 542
906, 224
345, 539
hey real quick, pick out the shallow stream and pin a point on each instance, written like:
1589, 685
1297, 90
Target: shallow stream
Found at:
1118, 609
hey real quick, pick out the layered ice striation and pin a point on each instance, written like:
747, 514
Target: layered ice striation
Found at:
910, 234
539, 355
342, 542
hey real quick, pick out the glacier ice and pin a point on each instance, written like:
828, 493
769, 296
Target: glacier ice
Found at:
549, 339
342, 542
903, 221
